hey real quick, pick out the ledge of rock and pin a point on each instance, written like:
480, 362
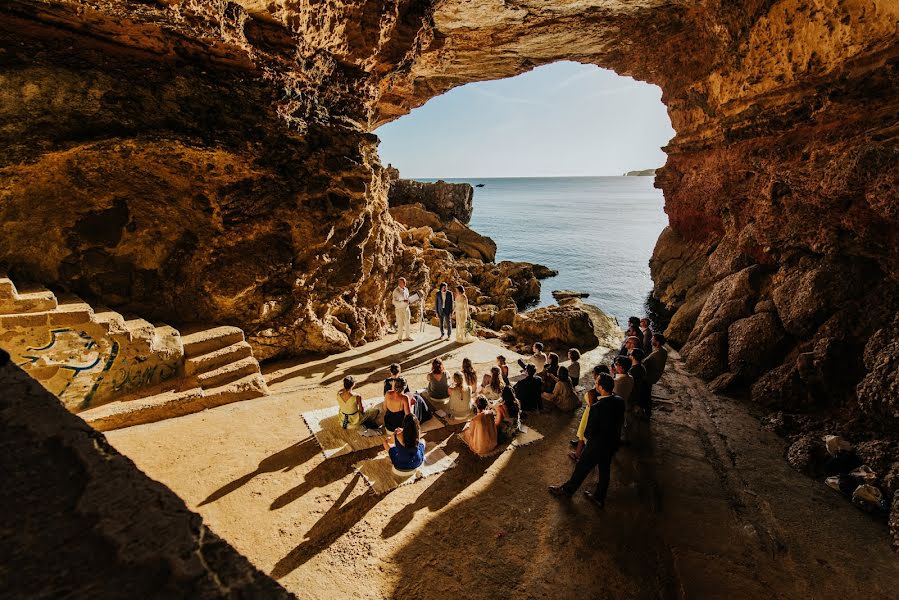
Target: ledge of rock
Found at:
447, 200
572, 324
563, 294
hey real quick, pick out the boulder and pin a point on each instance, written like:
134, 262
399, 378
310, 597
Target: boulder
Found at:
754, 344
504, 318
416, 215
708, 357
561, 294
558, 327
807, 455
471, 243
446, 200
878, 391
780, 388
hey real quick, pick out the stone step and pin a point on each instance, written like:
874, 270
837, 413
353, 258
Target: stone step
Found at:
245, 388
150, 409
114, 321
138, 328
229, 372
71, 311
166, 336
207, 340
217, 358
31, 300
7, 287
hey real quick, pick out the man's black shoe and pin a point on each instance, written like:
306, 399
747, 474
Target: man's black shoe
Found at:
558, 490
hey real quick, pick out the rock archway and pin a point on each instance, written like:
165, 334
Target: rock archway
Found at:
212, 161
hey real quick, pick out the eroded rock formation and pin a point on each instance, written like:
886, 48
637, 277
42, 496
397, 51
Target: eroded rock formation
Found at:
447, 200
212, 161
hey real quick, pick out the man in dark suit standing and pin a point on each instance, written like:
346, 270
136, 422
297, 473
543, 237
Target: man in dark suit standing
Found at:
646, 330
603, 435
444, 304
655, 366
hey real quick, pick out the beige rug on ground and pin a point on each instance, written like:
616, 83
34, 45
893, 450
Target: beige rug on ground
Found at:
337, 441
527, 435
379, 474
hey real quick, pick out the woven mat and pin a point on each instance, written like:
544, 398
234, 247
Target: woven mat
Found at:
337, 441
379, 474
528, 435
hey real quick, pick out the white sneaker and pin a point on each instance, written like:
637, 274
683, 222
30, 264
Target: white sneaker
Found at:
409, 339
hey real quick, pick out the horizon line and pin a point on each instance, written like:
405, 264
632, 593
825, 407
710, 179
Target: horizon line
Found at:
519, 176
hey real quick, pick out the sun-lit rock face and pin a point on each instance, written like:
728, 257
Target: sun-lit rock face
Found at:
210, 161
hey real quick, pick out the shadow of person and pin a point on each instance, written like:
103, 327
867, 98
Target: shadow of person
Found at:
407, 357
324, 473
339, 519
283, 460
449, 485
407, 362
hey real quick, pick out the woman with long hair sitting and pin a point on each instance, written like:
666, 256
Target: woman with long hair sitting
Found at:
396, 405
492, 389
503, 369
470, 375
508, 414
480, 433
459, 404
438, 386
550, 371
563, 396
408, 450
352, 414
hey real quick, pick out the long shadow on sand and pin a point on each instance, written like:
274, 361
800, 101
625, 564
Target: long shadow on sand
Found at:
284, 460
339, 519
407, 360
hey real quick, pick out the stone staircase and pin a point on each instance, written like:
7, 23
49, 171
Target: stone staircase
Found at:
215, 366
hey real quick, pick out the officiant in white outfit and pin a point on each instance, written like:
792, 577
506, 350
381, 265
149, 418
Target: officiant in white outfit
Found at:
403, 313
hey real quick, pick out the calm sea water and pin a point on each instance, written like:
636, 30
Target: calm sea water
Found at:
597, 232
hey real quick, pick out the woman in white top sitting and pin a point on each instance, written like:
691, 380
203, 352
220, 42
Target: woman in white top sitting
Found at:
459, 404
574, 369
562, 396
493, 389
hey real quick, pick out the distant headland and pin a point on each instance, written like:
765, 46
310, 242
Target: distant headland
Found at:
643, 173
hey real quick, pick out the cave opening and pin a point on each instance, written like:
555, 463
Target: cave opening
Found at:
562, 159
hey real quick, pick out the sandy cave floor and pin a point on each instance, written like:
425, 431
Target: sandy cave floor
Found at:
709, 508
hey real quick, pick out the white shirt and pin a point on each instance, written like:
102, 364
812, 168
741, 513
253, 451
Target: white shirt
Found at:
443, 297
401, 297
538, 359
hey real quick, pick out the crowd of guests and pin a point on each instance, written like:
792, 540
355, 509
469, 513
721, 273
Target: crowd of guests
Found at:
617, 405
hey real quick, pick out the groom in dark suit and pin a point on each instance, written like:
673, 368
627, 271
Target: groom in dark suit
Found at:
444, 303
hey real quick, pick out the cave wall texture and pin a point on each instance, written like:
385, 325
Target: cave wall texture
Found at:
212, 161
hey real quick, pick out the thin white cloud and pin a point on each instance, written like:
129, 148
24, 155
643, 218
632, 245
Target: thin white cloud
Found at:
502, 97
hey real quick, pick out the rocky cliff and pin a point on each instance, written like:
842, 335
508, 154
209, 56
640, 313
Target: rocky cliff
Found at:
212, 161
447, 200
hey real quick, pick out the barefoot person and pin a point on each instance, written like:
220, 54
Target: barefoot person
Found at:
461, 309
443, 303
352, 414
408, 450
602, 433
403, 314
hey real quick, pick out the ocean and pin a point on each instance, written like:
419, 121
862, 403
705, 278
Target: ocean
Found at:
597, 232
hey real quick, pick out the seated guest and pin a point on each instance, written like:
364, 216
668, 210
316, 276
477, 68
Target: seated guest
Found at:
574, 368
503, 368
352, 415
550, 370
480, 433
538, 359
470, 375
459, 404
655, 365
624, 383
396, 405
493, 388
438, 386
562, 396
394, 373
508, 414
579, 442
408, 450
646, 340
529, 390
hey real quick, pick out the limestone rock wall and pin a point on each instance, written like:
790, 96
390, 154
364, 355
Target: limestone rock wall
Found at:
208, 158
447, 200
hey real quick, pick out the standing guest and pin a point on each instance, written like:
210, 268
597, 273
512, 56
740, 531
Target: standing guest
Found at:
529, 390
646, 340
538, 359
470, 375
597, 371
503, 368
508, 413
602, 434
492, 389
642, 390
396, 405
403, 314
574, 368
591, 395
394, 373
562, 396
461, 309
550, 372
444, 306
655, 365
438, 386
459, 404
630, 342
480, 433
408, 450
624, 383
352, 414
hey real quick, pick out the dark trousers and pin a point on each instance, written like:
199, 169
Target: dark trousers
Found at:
445, 318
601, 458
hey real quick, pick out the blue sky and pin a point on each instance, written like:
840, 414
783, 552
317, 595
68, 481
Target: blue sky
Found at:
557, 120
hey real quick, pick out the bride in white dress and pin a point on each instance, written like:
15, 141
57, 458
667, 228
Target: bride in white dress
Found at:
460, 303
